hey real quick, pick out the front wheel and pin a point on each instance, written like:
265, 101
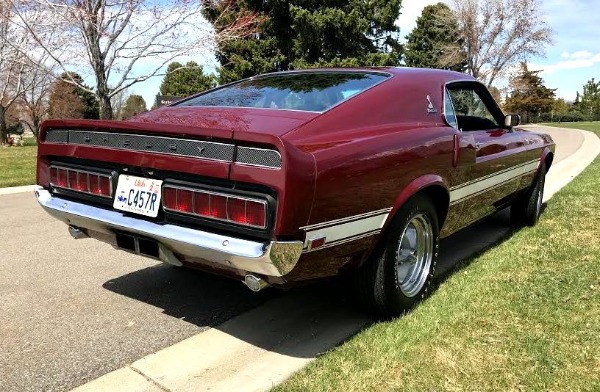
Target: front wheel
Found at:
400, 273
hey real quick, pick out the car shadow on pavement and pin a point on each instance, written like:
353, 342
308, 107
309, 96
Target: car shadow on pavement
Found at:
301, 322
199, 298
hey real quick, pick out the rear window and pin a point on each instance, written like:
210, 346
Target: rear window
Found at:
309, 91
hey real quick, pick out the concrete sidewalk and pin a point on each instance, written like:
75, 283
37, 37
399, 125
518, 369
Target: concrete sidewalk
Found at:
264, 346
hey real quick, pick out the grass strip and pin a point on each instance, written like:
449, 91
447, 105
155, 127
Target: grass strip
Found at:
593, 126
524, 315
17, 166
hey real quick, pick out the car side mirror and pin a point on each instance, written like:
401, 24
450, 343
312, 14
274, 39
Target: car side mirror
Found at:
512, 120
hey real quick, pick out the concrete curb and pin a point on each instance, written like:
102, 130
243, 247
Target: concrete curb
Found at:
263, 347
252, 352
565, 171
17, 189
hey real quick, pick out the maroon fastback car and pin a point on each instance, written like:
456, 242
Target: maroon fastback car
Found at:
302, 175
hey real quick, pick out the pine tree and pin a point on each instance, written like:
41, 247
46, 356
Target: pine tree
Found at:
529, 97
588, 102
182, 81
434, 42
300, 34
134, 105
70, 101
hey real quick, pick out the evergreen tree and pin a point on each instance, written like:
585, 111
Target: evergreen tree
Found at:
434, 42
134, 105
182, 81
588, 102
70, 101
298, 34
529, 97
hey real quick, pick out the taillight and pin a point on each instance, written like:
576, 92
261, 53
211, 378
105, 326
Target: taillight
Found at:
204, 204
81, 181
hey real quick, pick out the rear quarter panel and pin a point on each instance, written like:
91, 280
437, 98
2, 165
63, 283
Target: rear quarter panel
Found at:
367, 151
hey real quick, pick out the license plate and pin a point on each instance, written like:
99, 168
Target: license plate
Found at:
138, 195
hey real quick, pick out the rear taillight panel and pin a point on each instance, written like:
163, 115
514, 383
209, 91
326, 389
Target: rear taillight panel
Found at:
82, 181
240, 210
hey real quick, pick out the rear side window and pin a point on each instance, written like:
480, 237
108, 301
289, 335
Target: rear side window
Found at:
308, 91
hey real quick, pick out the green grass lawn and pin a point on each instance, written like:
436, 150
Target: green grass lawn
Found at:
17, 166
593, 126
524, 315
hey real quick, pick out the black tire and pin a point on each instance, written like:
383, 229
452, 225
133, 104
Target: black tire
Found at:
378, 281
527, 207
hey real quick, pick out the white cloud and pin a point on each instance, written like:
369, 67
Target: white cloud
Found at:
579, 55
576, 60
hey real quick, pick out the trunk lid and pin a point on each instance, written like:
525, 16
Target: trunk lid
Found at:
239, 120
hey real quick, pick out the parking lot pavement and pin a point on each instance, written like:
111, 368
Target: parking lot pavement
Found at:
73, 310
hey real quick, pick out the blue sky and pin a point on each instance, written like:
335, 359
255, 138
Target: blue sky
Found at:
572, 60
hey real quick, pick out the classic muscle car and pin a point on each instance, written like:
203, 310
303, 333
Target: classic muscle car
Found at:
296, 176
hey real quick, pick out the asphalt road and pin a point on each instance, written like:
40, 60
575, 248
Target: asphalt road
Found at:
72, 310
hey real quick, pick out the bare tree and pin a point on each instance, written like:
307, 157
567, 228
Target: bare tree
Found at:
118, 103
123, 42
35, 97
498, 34
12, 66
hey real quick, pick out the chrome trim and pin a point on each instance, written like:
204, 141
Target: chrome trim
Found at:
444, 99
347, 229
464, 184
488, 182
342, 241
268, 258
480, 84
225, 195
345, 220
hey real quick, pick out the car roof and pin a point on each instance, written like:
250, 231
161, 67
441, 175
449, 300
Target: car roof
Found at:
427, 73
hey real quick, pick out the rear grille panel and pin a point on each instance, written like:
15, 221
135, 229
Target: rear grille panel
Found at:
201, 149
164, 145
258, 157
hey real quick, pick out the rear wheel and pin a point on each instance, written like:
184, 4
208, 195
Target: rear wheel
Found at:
526, 209
400, 273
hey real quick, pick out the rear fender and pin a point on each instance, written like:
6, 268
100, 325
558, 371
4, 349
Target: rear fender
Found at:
418, 185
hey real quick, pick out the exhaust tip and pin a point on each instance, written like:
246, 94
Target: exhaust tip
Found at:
255, 283
77, 233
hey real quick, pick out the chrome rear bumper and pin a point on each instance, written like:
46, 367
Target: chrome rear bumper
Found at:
270, 258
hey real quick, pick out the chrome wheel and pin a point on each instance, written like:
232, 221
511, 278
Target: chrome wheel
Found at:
414, 255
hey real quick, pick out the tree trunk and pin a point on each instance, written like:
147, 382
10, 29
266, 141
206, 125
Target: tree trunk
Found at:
3, 126
36, 126
106, 111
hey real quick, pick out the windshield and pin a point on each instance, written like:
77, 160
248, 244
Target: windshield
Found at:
308, 91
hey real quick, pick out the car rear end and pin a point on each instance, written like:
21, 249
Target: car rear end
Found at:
196, 196
211, 182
